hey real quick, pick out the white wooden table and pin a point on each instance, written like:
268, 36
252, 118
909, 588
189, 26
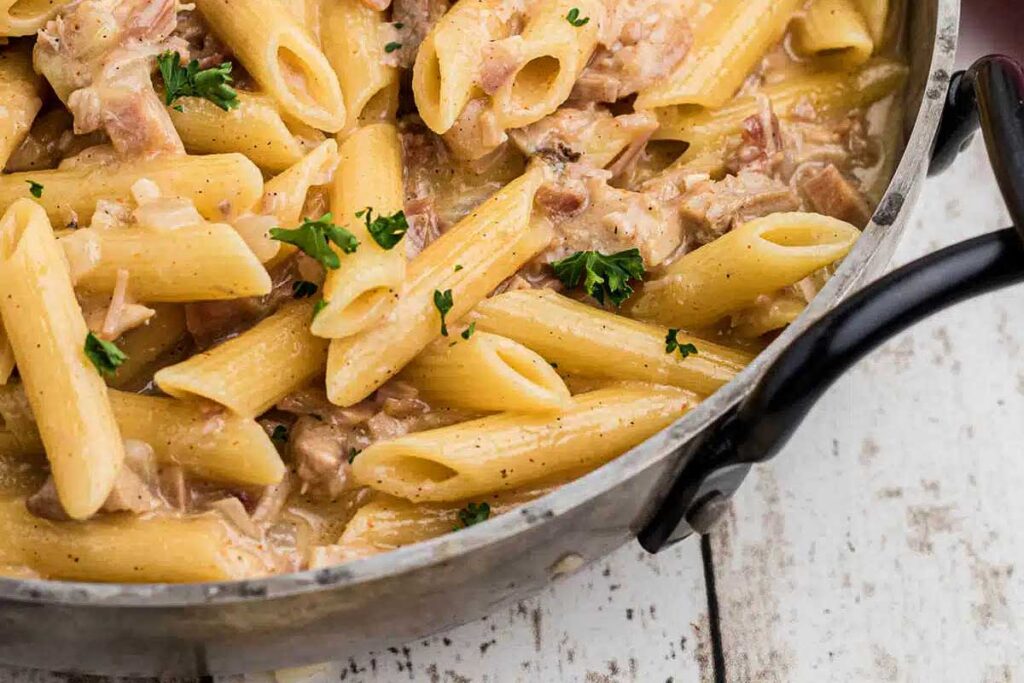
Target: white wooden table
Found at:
881, 545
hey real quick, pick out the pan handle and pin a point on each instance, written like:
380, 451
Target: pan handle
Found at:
760, 426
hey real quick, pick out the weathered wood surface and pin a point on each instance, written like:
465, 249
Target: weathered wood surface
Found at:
886, 543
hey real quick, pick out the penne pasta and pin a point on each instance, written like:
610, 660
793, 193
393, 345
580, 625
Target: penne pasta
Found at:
350, 32
728, 44
25, 17
756, 258
833, 32
282, 57
162, 335
490, 245
487, 373
20, 98
206, 441
827, 92
774, 313
6, 357
582, 340
285, 194
208, 261
254, 128
126, 548
445, 75
512, 450
47, 332
256, 369
551, 52
876, 15
369, 178
220, 185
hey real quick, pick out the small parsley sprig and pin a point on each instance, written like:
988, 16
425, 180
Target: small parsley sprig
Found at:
387, 231
189, 81
474, 513
105, 356
313, 237
392, 46
468, 332
602, 276
672, 344
443, 302
35, 189
573, 17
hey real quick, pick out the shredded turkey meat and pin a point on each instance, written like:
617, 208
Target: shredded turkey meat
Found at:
709, 209
642, 41
833, 195
98, 56
412, 20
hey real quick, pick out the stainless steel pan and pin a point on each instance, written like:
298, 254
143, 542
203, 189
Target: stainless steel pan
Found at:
662, 490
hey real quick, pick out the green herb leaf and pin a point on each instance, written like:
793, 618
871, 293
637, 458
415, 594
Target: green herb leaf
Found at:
458, 267
35, 189
319, 306
280, 434
189, 81
352, 453
312, 237
392, 46
303, 289
672, 344
103, 354
602, 276
573, 17
468, 332
443, 302
387, 231
474, 513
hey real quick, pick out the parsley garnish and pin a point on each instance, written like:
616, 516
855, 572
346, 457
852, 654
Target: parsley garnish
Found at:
319, 306
473, 513
399, 25
602, 275
280, 434
103, 354
443, 302
468, 332
387, 231
458, 267
392, 46
35, 189
303, 289
573, 17
189, 81
312, 237
672, 344
352, 453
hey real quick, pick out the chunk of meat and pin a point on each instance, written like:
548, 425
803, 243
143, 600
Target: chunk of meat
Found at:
413, 19
761, 142
642, 42
320, 452
203, 44
833, 195
98, 55
610, 219
710, 209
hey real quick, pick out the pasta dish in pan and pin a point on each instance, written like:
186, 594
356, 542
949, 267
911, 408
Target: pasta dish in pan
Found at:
286, 283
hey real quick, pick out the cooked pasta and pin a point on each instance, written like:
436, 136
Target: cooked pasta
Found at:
291, 283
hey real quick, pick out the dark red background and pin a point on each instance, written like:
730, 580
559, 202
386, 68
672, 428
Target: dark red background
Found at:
991, 26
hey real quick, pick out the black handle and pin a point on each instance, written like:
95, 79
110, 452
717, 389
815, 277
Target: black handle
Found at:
760, 426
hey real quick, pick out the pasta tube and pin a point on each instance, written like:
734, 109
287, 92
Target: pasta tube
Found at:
447, 64
350, 32
552, 52
25, 17
369, 177
155, 549
587, 341
490, 245
194, 263
220, 185
512, 450
876, 14
20, 98
828, 93
147, 344
487, 373
772, 314
834, 32
208, 443
6, 357
46, 329
759, 257
254, 128
728, 44
282, 57
256, 369
285, 194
